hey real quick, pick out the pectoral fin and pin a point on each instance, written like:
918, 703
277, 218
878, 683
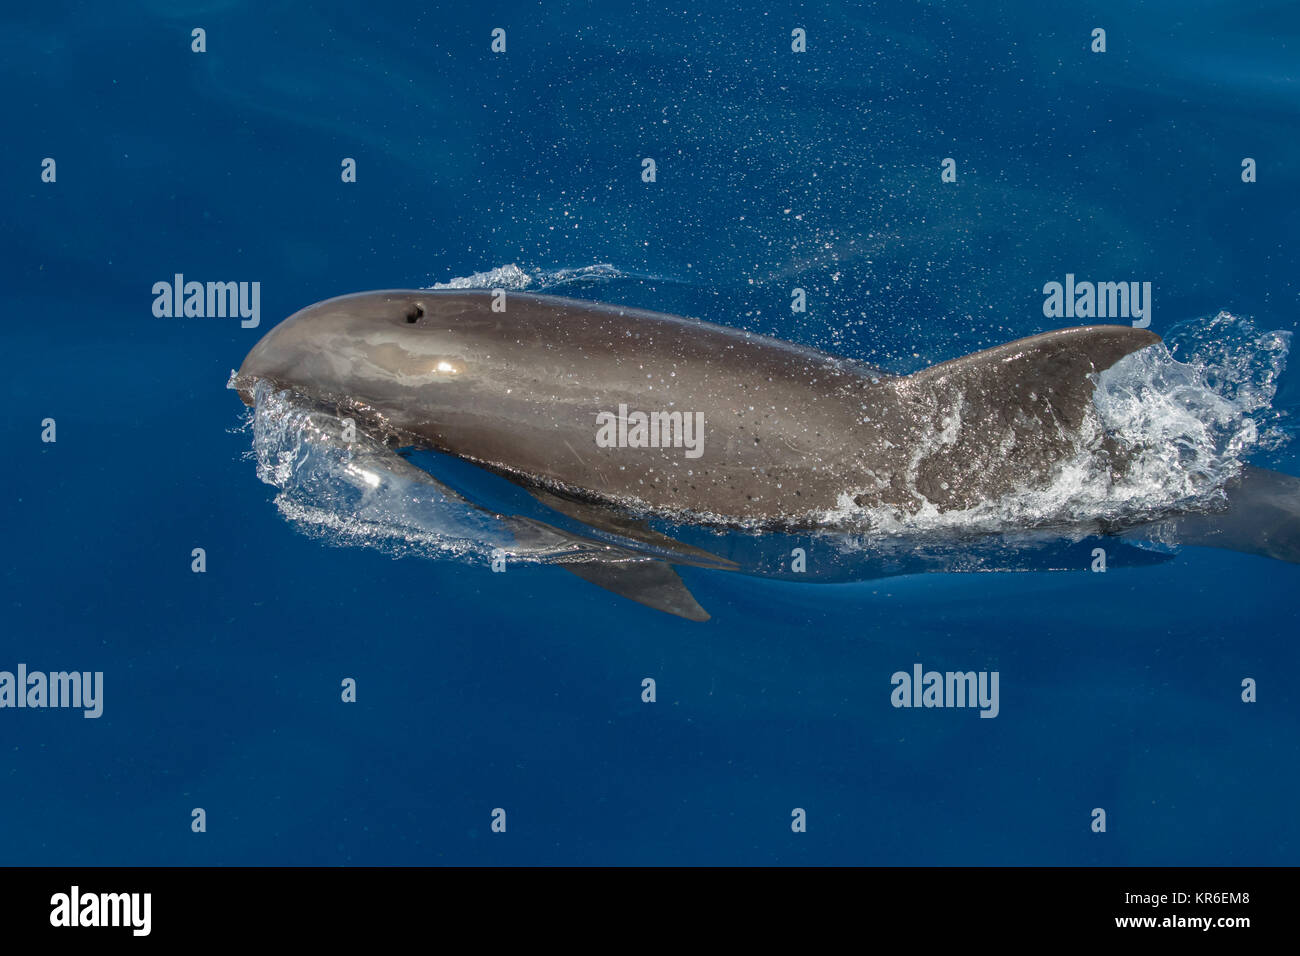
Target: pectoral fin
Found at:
652, 583
612, 521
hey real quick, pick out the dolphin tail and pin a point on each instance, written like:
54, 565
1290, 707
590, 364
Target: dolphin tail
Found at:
1262, 517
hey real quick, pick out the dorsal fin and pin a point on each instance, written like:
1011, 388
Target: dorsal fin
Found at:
1054, 365
1005, 417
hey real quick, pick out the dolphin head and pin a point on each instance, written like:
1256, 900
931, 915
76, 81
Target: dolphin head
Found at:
362, 348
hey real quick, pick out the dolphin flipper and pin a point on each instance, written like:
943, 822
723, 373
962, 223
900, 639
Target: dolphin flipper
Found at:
618, 569
606, 518
652, 583
370, 463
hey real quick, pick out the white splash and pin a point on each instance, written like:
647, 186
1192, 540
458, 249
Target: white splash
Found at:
354, 490
512, 278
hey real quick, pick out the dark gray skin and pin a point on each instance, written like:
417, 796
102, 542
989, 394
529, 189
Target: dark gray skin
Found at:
789, 432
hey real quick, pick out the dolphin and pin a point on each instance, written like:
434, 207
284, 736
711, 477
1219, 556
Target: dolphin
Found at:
606, 413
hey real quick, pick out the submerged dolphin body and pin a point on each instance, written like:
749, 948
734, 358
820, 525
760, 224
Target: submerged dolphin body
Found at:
597, 408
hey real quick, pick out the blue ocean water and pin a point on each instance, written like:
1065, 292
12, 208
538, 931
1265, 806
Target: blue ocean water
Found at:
522, 691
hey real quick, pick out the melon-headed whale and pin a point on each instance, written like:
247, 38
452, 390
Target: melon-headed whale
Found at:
607, 411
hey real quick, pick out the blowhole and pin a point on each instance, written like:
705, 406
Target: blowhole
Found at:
414, 314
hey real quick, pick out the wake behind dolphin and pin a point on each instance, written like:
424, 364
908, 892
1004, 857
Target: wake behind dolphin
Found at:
609, 415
